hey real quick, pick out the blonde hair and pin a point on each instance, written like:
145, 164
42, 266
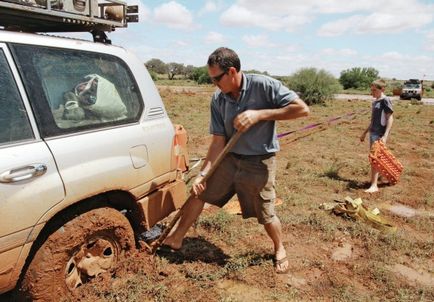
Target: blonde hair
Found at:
379, 83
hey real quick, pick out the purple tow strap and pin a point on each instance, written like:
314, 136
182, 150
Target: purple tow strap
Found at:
311, 126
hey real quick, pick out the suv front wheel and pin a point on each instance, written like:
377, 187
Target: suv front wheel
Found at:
83, 248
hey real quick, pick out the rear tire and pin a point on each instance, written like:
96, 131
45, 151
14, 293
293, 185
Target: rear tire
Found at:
84, 247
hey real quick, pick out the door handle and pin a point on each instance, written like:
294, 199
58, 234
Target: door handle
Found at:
23, 173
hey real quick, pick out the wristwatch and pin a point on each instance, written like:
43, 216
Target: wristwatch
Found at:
203, 174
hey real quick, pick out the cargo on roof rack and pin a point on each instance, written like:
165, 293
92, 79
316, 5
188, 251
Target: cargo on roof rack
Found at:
66, 15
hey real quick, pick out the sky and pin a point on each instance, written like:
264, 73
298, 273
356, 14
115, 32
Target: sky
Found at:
396, 37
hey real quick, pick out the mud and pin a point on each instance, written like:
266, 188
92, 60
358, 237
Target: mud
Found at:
342, 253
413, 276
402, 210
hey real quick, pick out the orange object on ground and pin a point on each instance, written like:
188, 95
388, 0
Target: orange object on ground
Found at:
384, 162
180, 152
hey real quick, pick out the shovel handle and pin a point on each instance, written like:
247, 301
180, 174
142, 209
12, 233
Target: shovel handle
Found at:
232, 141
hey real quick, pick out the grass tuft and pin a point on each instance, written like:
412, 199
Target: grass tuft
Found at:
219, 222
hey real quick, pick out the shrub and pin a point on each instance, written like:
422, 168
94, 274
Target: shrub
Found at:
357, 77
153, 75
314, 86
156, 65
395, 87
200, 75
204, 79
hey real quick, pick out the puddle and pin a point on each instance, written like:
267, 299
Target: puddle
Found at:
406, 211
402, 211
413, 276
295, 281
342, 253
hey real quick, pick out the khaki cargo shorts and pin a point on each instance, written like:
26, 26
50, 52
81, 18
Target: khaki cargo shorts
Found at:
252, 178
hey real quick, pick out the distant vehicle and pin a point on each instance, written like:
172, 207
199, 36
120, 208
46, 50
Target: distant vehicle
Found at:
412, 89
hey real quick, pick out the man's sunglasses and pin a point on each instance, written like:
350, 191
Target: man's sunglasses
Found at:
217, 79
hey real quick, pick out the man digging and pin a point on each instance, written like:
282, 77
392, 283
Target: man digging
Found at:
250, 104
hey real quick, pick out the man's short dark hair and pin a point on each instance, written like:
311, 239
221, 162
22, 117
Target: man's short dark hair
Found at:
224, 58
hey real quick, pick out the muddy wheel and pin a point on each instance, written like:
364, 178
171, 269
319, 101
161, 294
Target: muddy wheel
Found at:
83, 248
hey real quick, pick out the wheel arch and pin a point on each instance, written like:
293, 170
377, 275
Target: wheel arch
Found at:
119, 200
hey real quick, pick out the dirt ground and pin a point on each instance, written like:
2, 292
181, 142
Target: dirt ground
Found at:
332, 258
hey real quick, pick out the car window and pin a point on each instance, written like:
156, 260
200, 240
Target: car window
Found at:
14, 123
81, 89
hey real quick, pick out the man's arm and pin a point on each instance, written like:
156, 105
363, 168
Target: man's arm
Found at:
389, 119
215, 148
248, 118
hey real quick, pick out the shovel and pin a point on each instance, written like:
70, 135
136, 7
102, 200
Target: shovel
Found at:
157, 243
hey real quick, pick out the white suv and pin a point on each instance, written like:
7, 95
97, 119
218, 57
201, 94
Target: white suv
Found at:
87, 160
412, 88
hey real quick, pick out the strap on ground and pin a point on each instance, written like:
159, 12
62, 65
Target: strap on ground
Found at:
355, 209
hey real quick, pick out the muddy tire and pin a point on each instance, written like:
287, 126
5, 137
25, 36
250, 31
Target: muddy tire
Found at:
84, 247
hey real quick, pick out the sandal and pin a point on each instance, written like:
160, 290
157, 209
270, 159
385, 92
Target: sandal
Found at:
278, 263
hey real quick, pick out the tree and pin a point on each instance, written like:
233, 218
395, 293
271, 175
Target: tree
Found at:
358, 77
188, 71
314, 86
200, 75
174, 69
157, 66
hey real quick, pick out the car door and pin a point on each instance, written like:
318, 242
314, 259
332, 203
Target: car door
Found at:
29, 182
89, 114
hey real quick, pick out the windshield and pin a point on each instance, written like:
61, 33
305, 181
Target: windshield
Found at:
413, 86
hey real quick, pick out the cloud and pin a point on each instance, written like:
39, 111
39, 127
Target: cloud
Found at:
392, 55
209, 7
257, 41
181, 43
384, 22
429, 41
380, 16
389, 64
249, 16
215, 38
339, 27
345, 52
173, 15
402, 66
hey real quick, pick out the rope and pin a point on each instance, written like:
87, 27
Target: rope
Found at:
328, 122
308, 127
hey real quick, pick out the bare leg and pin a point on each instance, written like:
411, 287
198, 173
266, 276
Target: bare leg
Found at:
374, 181
191, 210
274, 231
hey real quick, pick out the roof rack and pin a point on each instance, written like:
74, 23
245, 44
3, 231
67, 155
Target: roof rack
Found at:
95, 16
